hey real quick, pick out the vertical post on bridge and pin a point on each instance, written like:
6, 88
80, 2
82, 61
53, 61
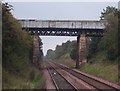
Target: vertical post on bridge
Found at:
81, 51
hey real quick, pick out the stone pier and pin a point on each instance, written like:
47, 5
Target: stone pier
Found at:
81, 51
36, 51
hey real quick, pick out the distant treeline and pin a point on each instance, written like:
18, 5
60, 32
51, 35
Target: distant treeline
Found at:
61, 50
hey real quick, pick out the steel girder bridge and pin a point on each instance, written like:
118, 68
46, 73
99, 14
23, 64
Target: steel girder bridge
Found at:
79, 28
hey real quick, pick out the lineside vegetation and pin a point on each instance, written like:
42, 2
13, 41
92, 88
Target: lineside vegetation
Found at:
17, 48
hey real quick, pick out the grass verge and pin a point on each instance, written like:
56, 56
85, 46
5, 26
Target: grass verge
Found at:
108, 72
29, 79
66, 61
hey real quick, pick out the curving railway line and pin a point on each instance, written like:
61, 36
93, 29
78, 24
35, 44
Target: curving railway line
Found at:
61, 82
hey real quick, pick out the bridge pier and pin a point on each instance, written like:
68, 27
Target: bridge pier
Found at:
36, 49
81, 51
78, 52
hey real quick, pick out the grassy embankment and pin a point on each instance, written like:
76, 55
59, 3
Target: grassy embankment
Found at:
101, 67
29, 79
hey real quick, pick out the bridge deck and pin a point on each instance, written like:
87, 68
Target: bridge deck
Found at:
64, 27
63, 24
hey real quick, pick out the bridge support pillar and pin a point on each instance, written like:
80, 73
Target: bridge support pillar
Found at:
36, 49
81, 51
78, 52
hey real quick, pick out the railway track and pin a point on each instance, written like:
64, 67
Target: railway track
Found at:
98, 85
59, 81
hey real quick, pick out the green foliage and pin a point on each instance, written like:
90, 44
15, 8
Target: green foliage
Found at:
30, 79
108, 71
104, 57
36, 79
50, 54
93, 46
40, 43
73, 54
41, 55
17, 49
109, 42
66, 56
16, 43
108, 11
104, 62
40, 49
61, 50
65, 60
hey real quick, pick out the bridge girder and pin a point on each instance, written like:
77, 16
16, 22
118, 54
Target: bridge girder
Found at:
65, 32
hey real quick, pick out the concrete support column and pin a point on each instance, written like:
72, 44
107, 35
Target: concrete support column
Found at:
81, 51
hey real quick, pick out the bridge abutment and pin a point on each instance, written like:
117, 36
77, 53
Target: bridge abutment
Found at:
81, 51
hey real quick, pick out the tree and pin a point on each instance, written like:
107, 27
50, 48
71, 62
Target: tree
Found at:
40, 43
40, 49
50, 54
64, 50
16, 43
93, 46
107, 12
109, 42
73, 54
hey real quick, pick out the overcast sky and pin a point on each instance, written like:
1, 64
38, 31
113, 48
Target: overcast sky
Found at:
58, 11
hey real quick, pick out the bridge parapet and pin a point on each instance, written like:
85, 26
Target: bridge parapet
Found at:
85, 24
